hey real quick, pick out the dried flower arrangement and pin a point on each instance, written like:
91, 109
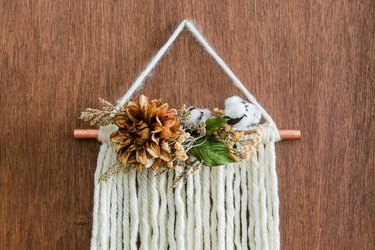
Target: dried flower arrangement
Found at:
152, 135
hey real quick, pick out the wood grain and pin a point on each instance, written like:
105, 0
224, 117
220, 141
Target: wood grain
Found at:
310, 63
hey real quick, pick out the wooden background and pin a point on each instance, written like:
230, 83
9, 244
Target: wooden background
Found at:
310, 63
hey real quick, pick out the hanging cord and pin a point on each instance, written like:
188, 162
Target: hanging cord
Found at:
200, 38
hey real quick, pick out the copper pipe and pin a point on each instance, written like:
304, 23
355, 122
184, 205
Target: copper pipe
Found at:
286, 134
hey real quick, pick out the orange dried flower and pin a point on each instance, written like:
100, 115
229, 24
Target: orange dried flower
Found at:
145, 130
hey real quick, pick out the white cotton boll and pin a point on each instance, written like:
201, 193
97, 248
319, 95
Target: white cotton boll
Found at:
253, 114
232, 100
235, 110
243, 124
198, 116
193, 117
234, 107
205, 114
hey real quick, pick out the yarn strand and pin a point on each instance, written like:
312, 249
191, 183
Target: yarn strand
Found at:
162, 187
171, 212
229, 170
197, 212
97, 190
206, 208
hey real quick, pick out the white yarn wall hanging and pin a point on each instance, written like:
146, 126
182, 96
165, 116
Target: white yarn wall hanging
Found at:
231, 206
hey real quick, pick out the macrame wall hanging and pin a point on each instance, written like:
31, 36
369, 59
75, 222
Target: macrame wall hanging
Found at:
188, 178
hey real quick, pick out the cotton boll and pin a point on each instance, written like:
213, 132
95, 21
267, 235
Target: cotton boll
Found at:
198, 116
232, 100
205, 114
250, 118
193, 117
235, 111
243, 124
234, 107
253, 114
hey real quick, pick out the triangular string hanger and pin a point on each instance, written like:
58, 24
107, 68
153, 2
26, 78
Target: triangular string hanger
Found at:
202, 41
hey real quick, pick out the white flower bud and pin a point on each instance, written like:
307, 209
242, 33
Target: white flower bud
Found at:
197, 116
235, 107
253, 114
233, 100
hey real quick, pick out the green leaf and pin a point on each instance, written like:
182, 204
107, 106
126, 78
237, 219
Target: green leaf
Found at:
211, 152
213, 124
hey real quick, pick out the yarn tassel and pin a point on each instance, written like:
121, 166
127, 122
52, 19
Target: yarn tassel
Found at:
206, 208
180, 215
198, 211
272, 197
190, 213
244, 203
144, 229
237, 204
133, 203
105, 203
162, 187
213, 206
171, 212
228, 207
220, 191
113, 215
229, 170
154, 208
126, 213
262, 196
97, 190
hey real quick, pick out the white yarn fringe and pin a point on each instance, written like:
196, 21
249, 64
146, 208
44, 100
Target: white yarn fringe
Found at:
228, 207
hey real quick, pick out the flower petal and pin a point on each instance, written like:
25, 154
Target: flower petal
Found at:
116, 137
165, 156
165, 133
138, 167
132, 158
176, 126
120, 120
126, 142
144, 134
133, 112
163, 109
149, 163
123, 157
154, 139
169, 122
156, 164
153, 149
157, 127
141, 156
171, 113
143, 101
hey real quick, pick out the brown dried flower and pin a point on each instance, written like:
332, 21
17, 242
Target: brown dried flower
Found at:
146, 130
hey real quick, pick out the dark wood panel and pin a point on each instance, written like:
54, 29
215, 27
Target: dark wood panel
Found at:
310, 63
